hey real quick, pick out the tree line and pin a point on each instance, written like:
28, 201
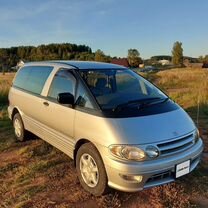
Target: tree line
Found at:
9, 57
203, 59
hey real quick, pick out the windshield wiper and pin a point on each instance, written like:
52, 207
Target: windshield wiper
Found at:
154, 101
141, 103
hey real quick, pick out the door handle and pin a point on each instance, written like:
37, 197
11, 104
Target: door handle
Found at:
46, 103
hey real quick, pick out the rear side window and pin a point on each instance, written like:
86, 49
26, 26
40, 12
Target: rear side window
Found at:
32, 78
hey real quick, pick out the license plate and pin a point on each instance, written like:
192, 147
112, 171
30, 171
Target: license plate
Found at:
182, 168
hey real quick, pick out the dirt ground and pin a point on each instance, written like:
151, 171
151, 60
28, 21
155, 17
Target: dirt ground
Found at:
34, 174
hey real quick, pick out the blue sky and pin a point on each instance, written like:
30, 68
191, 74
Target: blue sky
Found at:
114, 26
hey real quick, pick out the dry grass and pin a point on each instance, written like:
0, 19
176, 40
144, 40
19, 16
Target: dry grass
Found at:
5, 83
185, 86
189, 88
34, 174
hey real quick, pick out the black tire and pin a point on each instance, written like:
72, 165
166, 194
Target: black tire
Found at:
21, 135
101, 187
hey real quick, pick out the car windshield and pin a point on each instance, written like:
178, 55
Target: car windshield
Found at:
116, 87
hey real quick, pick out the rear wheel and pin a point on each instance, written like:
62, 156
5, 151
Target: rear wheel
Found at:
91, 170
19, 129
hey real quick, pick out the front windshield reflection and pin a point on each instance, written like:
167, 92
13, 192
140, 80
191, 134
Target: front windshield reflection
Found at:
114, 87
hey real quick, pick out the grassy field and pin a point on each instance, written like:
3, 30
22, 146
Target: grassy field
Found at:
34, 174
5, 82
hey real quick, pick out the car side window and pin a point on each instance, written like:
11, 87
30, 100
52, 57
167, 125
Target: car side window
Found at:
32, 78
83, 99
63, 81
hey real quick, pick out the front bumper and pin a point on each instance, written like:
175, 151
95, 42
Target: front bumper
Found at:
154, 172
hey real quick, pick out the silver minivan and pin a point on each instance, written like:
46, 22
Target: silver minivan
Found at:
121, 130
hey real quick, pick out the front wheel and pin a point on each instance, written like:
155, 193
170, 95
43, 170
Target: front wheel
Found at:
18, 125
91, 170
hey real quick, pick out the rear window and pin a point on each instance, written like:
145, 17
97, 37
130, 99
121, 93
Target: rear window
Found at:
32, 78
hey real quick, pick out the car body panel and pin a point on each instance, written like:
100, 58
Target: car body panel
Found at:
137, 130
152, 128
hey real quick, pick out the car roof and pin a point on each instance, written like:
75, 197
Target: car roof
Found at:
82, 64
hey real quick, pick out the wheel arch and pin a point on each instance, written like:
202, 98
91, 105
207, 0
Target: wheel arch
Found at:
14, 111
78, 144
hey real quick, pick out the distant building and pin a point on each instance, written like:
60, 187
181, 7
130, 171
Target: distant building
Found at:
160, 59
164, 62
120, 61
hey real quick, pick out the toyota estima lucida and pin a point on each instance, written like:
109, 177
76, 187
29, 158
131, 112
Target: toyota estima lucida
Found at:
121, 130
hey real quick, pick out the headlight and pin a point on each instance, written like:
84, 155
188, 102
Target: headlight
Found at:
133, 153
196, 135
128, 152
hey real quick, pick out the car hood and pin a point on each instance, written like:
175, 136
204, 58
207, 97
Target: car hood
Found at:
152, 128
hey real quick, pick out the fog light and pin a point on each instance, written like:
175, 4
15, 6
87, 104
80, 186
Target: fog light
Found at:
138, 178
132, 178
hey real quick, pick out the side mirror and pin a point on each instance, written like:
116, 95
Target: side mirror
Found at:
65, 98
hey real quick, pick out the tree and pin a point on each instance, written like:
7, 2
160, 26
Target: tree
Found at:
4, 58
10, 56
201, 59
205, 59
134, 58
177, 53
100, 56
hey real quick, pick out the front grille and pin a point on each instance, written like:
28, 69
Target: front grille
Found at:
160, 176
176, 145
167, 176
